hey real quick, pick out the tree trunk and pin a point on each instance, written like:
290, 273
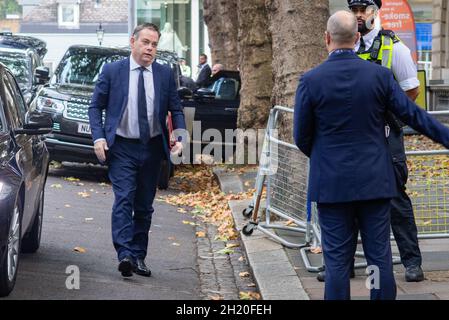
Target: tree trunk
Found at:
255, 64
222, 23
297, 29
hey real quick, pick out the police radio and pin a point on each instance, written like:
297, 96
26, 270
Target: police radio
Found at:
375, 49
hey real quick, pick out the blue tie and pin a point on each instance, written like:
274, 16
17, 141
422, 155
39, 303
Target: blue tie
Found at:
144, 128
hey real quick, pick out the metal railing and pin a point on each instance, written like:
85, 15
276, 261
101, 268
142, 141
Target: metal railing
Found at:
284, 171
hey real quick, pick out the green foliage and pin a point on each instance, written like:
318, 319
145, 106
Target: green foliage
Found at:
9, 7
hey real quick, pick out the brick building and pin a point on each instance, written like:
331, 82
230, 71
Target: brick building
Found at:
62, 23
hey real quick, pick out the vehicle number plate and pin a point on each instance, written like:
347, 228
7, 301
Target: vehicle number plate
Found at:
84, 128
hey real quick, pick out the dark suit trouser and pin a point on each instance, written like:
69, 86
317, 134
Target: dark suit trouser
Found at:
403, 220
133, 170
338, 222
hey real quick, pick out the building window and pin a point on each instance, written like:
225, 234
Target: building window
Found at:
68, 15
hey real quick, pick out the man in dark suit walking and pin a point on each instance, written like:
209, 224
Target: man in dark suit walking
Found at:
136, 94
339, 122
204, 72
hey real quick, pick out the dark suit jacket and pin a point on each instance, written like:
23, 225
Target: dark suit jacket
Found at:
339, 123
111, 94
203, 77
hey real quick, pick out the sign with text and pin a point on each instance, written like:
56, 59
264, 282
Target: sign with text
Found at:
397, 15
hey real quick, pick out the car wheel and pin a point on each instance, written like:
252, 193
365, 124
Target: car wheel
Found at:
164, 175
10, 262
32, 240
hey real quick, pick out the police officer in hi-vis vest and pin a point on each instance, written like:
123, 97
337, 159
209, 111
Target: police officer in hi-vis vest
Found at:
385, 48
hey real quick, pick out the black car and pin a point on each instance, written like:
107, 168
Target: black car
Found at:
24, 55
67, 97
212, 109
24, 163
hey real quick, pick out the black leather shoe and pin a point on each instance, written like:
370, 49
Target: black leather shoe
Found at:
414, 274
126, 267
141, 269
321, 276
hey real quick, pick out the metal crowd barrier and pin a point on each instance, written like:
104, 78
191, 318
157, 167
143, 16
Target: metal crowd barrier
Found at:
283, 172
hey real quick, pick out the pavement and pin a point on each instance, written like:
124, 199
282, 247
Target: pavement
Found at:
76, 236
280, 273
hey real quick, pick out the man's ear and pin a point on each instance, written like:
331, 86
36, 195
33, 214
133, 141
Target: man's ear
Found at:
327, 38
131, 42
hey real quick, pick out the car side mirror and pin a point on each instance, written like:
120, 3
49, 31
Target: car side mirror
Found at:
36, 124
42, 75
184, 93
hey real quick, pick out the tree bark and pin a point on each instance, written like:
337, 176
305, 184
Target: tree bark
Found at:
255, 64
297, 29
222, 22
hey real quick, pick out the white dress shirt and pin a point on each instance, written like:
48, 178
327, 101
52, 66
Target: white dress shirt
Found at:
402, 64
129, 124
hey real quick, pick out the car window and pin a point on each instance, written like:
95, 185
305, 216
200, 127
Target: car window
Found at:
9, 102
21, 106
83, 67
19, 66
225, 88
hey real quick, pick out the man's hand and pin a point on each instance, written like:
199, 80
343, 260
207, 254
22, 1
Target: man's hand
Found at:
176, 149
100, 147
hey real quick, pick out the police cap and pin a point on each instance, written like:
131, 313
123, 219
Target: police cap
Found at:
365, 3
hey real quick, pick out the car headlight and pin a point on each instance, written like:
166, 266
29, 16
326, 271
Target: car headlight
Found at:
50, 104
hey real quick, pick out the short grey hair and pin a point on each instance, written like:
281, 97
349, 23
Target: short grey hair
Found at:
342, 27
149, 26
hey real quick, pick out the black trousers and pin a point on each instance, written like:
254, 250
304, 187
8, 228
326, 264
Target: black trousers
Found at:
403, 220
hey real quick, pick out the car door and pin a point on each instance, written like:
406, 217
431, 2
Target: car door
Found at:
10, 178
220, 112
14, 110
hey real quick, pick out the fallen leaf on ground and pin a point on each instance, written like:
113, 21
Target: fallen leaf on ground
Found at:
244, 274
251, 285
71, 179
171, 238
56, 185
201, 234
84, 194
225, 251
290, 223
175, 244
79, 249
217, 297
103, 184
189, 222
241, 259
67, 206
221, 238
182, 210
232, 245
60, 217
316, 250
89, 219
249, 295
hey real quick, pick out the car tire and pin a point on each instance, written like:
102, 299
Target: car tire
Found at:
8, 274
32, 240
164, 175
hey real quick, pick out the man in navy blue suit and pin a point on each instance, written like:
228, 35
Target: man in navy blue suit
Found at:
136, 94
339, 122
